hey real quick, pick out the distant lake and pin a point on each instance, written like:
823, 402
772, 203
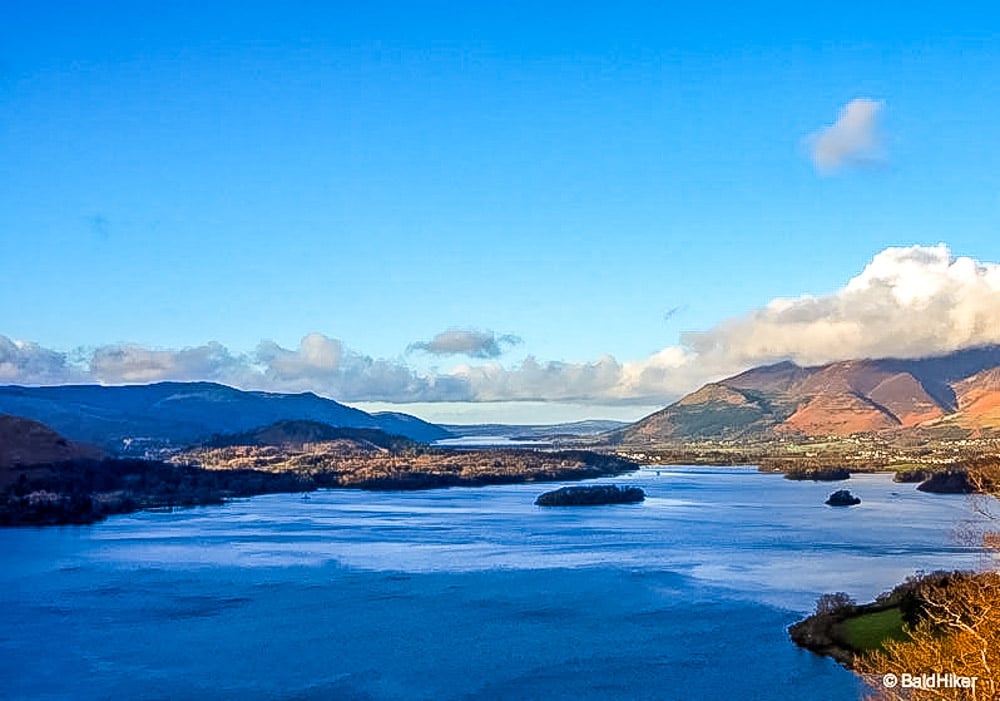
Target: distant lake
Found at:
490, 442
462, 593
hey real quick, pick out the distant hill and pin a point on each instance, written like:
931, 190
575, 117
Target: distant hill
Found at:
24, 442
182, 413
953, 395
299, 433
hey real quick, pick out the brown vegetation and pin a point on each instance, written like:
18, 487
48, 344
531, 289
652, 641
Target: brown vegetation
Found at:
346, 464
958, 633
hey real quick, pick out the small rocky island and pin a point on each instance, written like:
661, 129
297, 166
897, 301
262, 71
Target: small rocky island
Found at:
818, 474
591, 495
842, 497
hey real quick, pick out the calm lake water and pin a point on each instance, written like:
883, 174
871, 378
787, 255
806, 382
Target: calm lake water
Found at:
462, 593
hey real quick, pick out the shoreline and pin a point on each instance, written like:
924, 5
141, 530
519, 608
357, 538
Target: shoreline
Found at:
88, 491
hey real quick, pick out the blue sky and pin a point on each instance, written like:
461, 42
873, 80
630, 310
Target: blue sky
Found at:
598, 181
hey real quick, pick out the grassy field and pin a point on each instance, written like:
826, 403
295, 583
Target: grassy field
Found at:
868, 631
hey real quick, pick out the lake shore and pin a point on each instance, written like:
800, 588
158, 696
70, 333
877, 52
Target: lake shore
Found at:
87, 491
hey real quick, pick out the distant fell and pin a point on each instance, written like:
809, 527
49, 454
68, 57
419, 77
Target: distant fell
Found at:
24, 443
182, 413
301, 432
954, 395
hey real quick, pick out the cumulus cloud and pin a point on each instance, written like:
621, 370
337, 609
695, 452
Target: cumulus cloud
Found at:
541, 380
319, 364
23, 362
322, 364
318, 358
471, 342
907, 302
130, 363
664, 375
854, 140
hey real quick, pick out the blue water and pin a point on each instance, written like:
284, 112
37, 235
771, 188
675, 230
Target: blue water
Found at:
462, 593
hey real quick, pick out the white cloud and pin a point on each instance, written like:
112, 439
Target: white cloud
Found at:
535, 380
854, 140
131, 363
471, 342
324, 365
907, 302
317, 358
23, 362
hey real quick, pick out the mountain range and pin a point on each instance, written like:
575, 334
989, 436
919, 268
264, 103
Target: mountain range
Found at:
949, 396
956, 395
181, 413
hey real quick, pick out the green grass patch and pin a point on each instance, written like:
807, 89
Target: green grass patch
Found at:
869, 631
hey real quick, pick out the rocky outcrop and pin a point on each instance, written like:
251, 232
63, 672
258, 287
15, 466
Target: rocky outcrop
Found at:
842, 497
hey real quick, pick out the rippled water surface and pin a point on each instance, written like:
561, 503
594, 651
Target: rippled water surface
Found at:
462, 593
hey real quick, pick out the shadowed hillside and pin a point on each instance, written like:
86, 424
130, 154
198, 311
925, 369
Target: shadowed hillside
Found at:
300, 433
24, 442
181, 413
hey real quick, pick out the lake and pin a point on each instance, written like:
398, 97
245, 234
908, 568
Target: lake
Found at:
463, 593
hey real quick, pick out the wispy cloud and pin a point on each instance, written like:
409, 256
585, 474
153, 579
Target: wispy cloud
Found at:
100, 226
854, 140
673, 311
474, 343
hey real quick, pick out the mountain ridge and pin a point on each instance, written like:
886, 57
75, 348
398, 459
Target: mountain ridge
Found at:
955, 394
182, 413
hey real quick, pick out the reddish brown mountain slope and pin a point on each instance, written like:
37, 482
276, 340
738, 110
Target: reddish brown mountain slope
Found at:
959, 390
839, 414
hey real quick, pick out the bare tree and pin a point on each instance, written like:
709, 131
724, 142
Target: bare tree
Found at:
958, 634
